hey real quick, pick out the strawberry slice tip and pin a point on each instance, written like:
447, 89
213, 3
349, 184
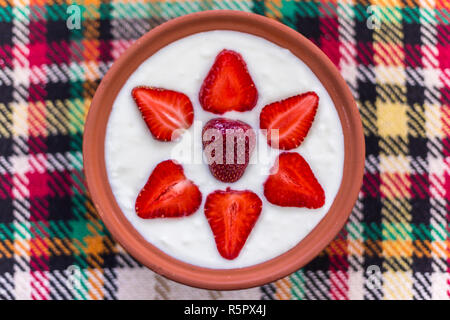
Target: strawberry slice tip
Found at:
167, 113
168, 193
292, 118
228, 85
293, 184
232, 215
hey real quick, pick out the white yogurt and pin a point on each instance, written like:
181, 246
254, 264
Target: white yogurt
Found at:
131, 152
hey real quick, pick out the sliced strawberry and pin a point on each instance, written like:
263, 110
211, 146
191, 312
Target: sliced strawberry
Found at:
167, 193
165, 112
228, 85
240, 139
292, 117
232, 215
293, 184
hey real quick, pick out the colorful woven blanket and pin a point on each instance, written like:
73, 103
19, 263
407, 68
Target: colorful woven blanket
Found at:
395, 56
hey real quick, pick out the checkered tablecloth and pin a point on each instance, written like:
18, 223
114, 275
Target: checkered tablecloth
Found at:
395, 56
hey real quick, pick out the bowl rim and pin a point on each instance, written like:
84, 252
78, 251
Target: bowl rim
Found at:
238, 278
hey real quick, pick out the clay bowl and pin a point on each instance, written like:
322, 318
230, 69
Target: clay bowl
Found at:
149, 255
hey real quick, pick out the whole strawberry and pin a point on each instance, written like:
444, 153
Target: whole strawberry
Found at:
227, 145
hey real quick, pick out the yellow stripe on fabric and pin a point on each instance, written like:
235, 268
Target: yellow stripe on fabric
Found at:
37, 124
445, 116
394, 164
400, 229
5, 121
395, 185
388, 74
397, 285
368, 114
397, 210
417, 121
433, 126
388, 54
392, 119
391, 93
57, 117
390, 145
390, 30
78, 112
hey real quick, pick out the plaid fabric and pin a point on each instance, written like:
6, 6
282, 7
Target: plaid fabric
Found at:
395, 56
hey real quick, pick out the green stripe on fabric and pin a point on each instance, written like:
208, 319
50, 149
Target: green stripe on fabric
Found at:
360, 12
411, 15
57, 12
298, 281
371, 231
6, 14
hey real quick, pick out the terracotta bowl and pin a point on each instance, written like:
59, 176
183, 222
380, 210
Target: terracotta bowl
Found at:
149, 255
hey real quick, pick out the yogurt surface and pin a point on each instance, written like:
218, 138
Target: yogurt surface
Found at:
131, 153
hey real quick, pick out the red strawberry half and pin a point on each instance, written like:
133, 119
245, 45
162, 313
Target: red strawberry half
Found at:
165, 112
293, 184
228, 145
167, 193
232, 215
228, 85
292, 117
